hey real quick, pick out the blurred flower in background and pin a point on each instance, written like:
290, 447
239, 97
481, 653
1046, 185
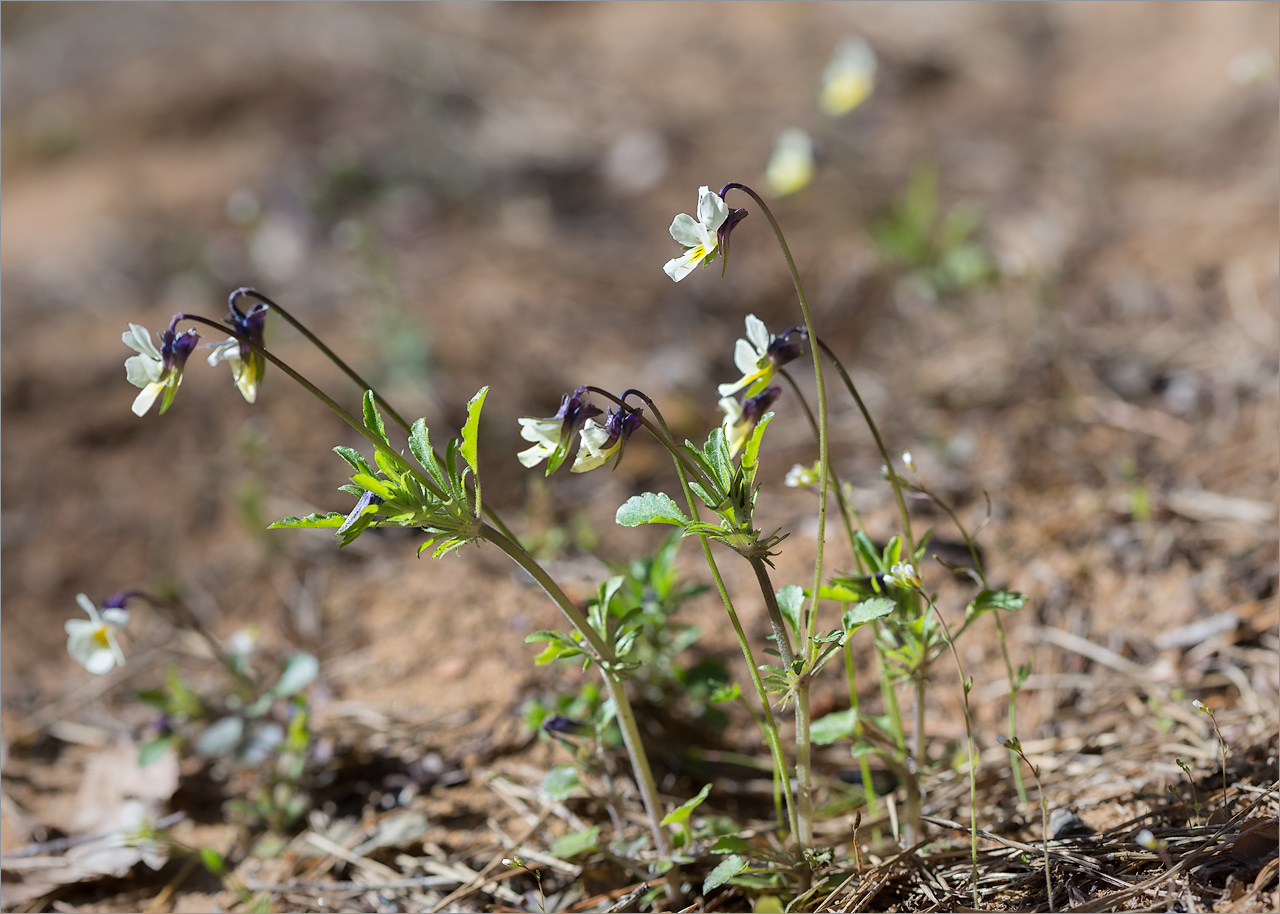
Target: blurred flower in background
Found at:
792, 166
848, 78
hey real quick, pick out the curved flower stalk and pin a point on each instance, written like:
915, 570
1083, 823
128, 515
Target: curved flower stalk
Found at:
760, 355
92, 642
157, 371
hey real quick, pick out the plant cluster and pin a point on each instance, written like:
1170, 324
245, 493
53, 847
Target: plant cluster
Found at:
883, 606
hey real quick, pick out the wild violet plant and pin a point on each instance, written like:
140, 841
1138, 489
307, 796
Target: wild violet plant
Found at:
440, 494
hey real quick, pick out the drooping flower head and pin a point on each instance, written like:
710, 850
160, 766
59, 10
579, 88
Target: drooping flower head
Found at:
92, 642
247, 364
552, 438
848, 78
157, 371
701, 237
600, 442
740, 419
760, 355
792, 165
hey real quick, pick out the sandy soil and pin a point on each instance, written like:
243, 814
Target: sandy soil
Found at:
464, 195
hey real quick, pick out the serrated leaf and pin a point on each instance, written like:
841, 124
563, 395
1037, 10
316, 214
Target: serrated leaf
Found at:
650, 508
575, 843
725, 870
469, 431
372, 418
826, 730
311, 521
867, 611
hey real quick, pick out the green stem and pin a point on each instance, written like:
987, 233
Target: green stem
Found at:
604, 659
776, 621
811, 618
770, 725
864, 766
328, 401
329, 353
1013, 709
973, 755
845, 509
804, 768
908, 540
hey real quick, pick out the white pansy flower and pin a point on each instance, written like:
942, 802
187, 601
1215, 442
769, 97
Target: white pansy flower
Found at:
848, 78
601, 442
792, 165
699, 237
759, 357
157, 371
91, 641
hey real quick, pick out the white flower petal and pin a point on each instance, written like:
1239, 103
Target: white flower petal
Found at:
535, 455
758, 335
138, 338
712, 210
225, 351
542, 431
114, 615
680, 267
87, 605
688, 232
142, 370
147, 397
747, 357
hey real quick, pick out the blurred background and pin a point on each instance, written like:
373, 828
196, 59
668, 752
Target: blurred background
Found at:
1045, 244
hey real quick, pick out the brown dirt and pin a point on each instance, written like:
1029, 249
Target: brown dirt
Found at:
1129, 189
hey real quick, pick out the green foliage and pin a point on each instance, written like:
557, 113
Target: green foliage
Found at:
445, 502
940, 252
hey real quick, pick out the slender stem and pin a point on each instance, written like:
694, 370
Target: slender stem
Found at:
776, 621
319, 344
864, 766
604, 657
1013, 709
811, 617
804, 768
603, 653
770, 725
845, 509
644, 775
908, 540
973, 754
328, 401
